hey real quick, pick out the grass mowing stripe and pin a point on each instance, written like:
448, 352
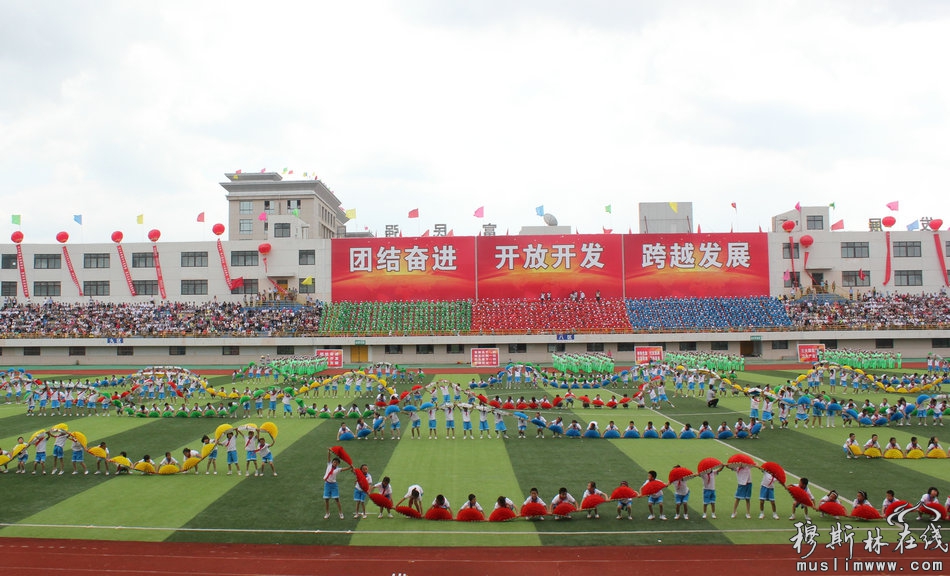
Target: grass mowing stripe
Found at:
136, 500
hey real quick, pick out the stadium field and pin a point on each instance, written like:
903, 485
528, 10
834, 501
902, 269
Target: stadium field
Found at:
289, 509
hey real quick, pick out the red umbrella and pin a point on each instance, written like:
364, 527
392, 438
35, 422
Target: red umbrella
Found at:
833, 509
592, 501
381, 501
652, 487
532, 509
470, 515
501, 515
679, 473
341, 454
436, 513
361, 479
895, 506
738, 459
800, 496
564, 509
866, 512
623, 493
775, 470
409, 512
708, 464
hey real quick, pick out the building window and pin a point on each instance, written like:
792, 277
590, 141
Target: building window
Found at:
556, 348
194, 259
244, 258
851, 278
282, 230
245, 227
250, 287
425, 349
230, 350
95, 260
719, 346
884, 343
793, 279
940, 342
47, 261
194, 287
907, 249
245, 207
270, 207
125, 351
855, 250
519, 348
293, 205
307, 257
285, 350
908, 278
626, 347
31, 350
455, 349
829, 344
145, 287
306, 288
595, 347
95, 288
392, 349
77, 350
687, 346
47, 289
815, 222
786, 251
8, 288
143, 260
779, 344
8, 262
176, 350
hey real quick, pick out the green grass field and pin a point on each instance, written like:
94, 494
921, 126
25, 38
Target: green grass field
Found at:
289, 508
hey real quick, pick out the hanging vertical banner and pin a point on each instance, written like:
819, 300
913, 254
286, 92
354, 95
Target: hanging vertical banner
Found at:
22, 268
158, 272
224, 266
887, 261
125, 269
940, 260
72, 271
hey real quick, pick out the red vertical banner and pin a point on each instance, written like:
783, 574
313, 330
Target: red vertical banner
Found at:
22, 268
525, 266
940, 261
125, 269
887, 261
224, 266
696, 265
158, 272
72, 271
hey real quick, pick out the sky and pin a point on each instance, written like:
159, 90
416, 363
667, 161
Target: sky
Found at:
114, 109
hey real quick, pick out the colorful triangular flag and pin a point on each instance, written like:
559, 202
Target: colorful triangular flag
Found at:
308, 281
734, 206
140, 219
608, 209
351, 214
839, 225
798, 206
77, 218
201, 217
539, 210
480, 212
915, 225
426, 233
16, 219
414, 213
675, 206
893, 206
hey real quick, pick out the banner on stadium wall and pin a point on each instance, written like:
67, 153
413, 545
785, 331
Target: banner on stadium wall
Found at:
647, 354
526, 266
334, 356
697, 265
809, 352
403, 269
485, 358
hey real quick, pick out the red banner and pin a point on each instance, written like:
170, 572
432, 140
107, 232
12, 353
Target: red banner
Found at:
648, 354
158, 271
887, 259
402, 269
485, 357
809, 352
72, 271
526, 266
940, 260
334, 357
22, 268
224, 267
696, 265
125, 269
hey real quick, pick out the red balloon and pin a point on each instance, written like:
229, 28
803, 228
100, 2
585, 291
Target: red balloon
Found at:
117, 236
888, 221
806, 240
218, 229
154, 235
788, 225
17, 237
264, 248
62, 237
936, 223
